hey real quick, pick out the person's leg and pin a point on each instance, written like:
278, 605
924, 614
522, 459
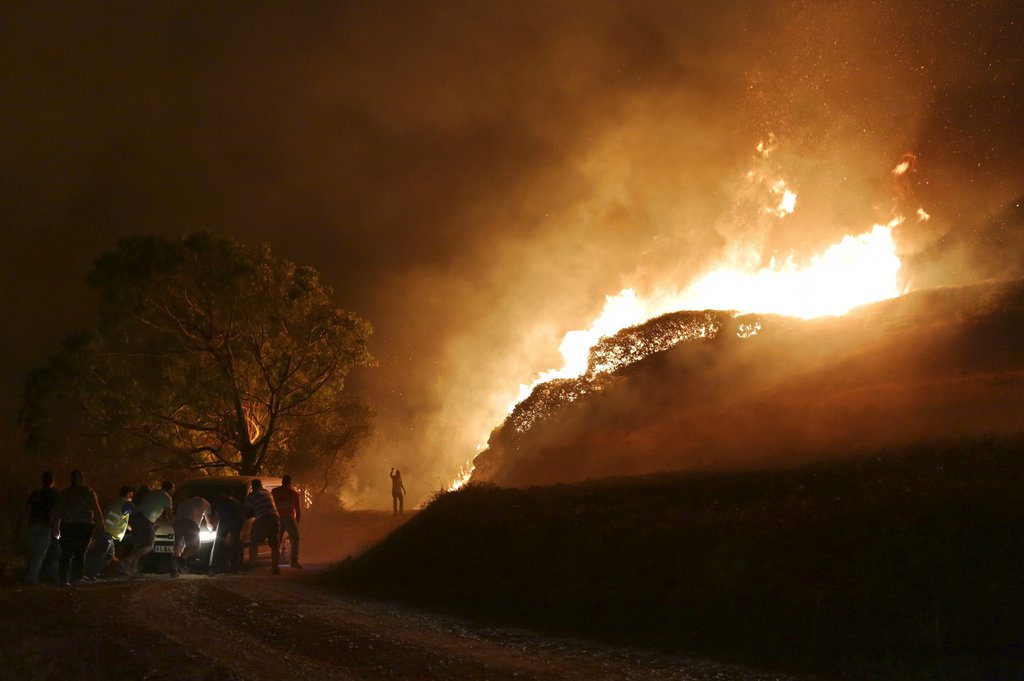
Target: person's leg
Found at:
274, 536
221, 549
143, 538
99, 556
108, 555
401, 504
83, 535
38, 544
65, 554
229, 548
256, 537
237, 548
293, 533
394, 503
51, 563
137, 556
192, 546
288, 528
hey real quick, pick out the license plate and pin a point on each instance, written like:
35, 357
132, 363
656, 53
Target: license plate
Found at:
162, 548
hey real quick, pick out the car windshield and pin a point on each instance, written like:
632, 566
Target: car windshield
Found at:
209, 492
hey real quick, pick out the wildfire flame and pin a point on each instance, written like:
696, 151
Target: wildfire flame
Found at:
787, 200
858, 270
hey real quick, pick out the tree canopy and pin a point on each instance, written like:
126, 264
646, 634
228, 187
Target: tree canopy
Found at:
207, 353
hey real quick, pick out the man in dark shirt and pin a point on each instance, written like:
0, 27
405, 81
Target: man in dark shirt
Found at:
227, 552
289, 506
38, 532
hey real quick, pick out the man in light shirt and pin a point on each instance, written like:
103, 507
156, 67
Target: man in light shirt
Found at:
267, 526
75, 517
187, 518
150, 508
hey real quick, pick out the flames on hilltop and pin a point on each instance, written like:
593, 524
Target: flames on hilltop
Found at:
858, 270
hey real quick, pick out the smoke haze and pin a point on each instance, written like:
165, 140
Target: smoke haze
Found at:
475, 179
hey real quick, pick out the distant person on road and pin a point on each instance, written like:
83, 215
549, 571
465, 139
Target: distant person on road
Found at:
397, 492
150, 508
267, 526
116, 516
190, 514
39, 527
289, 507
227, 551
75, 517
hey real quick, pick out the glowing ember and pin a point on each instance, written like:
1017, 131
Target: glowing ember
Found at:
908, 162
748, 330
787, 200
922, 215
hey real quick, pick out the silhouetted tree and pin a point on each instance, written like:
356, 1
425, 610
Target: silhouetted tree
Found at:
212, 353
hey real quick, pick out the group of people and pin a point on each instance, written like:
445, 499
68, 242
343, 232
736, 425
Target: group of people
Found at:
71, 538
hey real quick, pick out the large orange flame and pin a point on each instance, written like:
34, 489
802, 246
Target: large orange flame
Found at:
858, 270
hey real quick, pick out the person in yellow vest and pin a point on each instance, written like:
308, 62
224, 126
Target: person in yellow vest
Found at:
116, 516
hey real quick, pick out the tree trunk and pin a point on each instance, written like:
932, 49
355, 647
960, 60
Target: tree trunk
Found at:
250, 461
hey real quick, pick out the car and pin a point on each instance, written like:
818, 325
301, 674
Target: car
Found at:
208, 488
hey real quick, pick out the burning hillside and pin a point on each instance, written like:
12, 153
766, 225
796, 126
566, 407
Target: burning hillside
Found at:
712, 390
748, 283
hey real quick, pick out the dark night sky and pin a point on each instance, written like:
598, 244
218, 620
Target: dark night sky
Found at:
474, 178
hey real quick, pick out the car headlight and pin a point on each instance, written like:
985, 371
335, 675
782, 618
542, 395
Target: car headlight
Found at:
207, 535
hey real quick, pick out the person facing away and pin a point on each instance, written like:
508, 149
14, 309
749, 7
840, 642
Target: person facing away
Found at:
289, 507
75, 517
187, 517
227, 552
397, 492
154, 505
116, 516
266, 526
38, 529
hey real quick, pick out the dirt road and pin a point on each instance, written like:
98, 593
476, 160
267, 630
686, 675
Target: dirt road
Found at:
258, 626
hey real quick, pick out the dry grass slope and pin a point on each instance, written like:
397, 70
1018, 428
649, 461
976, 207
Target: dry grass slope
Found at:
904, 564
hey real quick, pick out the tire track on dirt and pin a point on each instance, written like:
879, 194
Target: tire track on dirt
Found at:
272, 628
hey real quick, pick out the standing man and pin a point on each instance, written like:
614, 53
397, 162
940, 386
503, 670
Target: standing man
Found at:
39, 528
116, 516
187, 517
397, 492
75, 517
289, 506
153, 506
267, 526
227, 551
